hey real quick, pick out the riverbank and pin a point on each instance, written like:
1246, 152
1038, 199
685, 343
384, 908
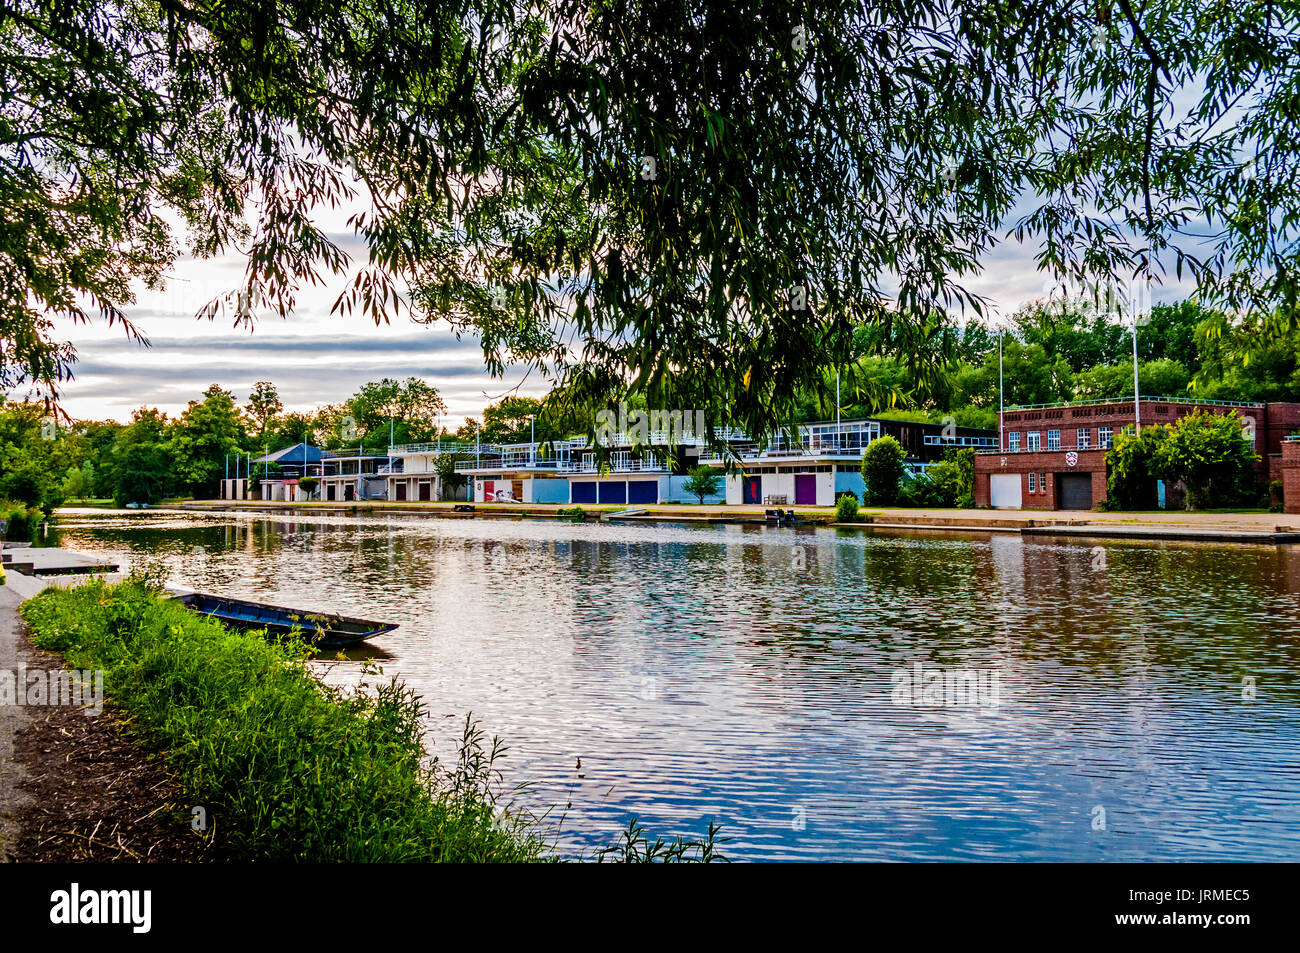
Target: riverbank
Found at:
1266, 528
286, 768
74, 785
201, 723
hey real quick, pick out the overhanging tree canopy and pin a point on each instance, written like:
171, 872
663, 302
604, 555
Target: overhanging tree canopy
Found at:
700, 201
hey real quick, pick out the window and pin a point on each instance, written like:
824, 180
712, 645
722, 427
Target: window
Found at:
1014, 442
1053, 440
1042, 483
1033, 483
1103, 437
1035, 441
1083, 438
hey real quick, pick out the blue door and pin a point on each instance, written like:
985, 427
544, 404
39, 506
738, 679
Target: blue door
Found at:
643, 491
615, 492
753, 489
583, 492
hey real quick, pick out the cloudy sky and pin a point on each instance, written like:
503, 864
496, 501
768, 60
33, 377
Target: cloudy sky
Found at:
315, 357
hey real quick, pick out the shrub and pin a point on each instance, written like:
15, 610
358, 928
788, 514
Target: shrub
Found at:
1132, 468
702, 481
882, 470
846, 508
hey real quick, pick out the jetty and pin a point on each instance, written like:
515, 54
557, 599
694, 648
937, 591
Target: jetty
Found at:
49, 561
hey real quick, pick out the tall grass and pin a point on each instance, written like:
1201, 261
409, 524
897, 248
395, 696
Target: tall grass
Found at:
295, 770
292, 769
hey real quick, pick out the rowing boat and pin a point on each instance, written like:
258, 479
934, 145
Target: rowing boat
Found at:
320, 628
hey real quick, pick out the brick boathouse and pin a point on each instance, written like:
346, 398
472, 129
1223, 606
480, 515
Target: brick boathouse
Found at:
1053, 456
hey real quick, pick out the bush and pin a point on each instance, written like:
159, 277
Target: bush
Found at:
308, 485
702, 481
20, 520
882, 470
846, 508
1205, 452
921, 491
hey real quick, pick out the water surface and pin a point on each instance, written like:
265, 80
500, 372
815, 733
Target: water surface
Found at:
1146, 704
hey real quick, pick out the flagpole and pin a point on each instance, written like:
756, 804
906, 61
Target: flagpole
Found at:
1137, 406
1002, 444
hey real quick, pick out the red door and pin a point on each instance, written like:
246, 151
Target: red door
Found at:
805, 489
753, 489
487, 491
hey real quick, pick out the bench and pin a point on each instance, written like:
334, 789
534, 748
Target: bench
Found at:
776, 499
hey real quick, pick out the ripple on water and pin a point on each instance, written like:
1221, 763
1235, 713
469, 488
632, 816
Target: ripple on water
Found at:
750, 676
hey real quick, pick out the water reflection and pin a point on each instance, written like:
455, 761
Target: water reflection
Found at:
744, 674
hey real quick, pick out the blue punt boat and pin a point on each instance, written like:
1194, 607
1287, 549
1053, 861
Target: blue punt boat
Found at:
324, 629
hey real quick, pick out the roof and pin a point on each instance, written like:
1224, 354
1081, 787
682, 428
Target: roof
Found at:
299, 453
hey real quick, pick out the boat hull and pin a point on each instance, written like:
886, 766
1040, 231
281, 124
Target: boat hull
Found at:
323, 629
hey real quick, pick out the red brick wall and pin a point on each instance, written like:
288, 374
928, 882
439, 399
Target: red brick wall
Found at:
1290, 476
1283, 419
1120, 414
1046, 462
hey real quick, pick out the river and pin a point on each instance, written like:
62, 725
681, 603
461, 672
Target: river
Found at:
820, 693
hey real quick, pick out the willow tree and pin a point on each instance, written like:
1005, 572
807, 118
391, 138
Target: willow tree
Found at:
703, 203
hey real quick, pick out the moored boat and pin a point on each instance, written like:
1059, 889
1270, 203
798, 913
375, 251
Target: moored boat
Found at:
324, 629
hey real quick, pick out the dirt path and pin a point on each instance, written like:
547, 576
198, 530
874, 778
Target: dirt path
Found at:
75, 786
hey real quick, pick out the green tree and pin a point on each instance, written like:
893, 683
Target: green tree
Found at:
511, 419
1208, 454
702, 481
413, 406
207, 432
1132, 468
1159, 378
263, 406
140, 464
613, 192
77, 485
882, 471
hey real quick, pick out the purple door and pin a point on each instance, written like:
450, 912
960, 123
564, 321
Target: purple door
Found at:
805, 489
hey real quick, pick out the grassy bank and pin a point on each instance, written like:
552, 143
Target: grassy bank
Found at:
291, 769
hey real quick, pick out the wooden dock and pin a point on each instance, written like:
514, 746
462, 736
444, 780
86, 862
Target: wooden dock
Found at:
48, 561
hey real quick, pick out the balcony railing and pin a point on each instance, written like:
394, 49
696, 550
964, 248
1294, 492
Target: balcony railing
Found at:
1128, 400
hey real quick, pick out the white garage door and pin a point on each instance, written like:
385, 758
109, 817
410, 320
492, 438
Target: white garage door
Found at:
1004, 490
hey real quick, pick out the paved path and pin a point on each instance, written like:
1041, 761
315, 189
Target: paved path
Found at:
12, 717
